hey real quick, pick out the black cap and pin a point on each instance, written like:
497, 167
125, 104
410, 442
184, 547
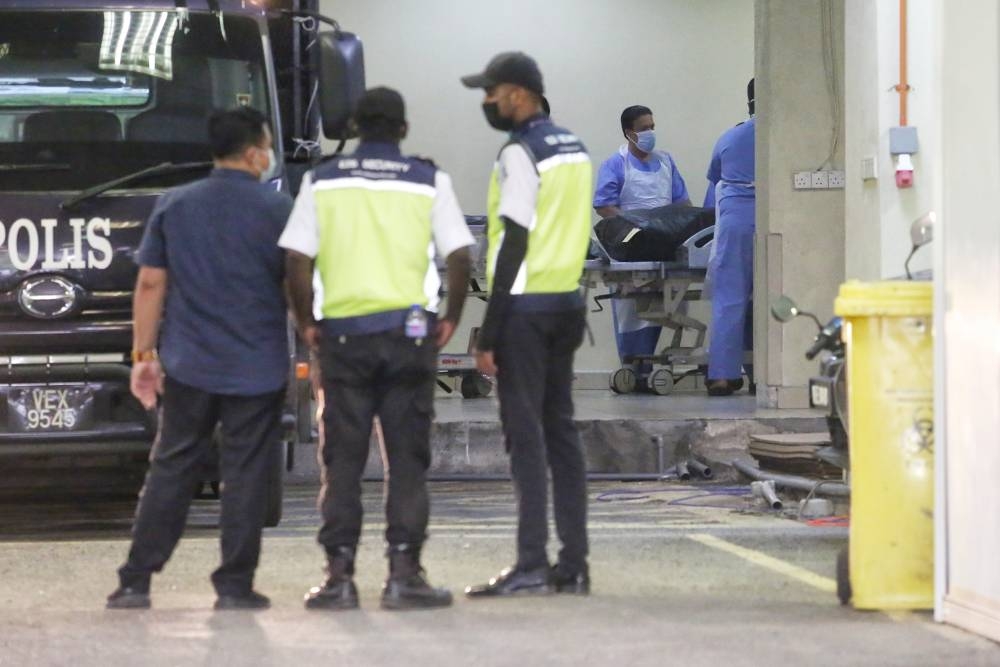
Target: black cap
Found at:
513, 67
381, 102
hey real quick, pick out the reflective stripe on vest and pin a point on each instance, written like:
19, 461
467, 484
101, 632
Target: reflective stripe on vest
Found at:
559, 232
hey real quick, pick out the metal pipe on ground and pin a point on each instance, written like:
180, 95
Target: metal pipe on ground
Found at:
698, 468
683, 473
823, 487
766, 491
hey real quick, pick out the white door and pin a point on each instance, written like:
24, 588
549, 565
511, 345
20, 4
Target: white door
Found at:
967, 280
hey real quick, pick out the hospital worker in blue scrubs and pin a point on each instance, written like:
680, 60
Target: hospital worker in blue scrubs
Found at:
637, 176
731, 180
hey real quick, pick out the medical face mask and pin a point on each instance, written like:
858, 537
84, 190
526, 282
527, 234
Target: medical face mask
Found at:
645, 140
272, 167
492, 112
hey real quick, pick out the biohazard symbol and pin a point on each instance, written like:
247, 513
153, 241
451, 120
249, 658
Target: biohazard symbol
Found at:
919, 437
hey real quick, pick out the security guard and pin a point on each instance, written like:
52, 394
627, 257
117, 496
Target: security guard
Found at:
539, 230
367, 222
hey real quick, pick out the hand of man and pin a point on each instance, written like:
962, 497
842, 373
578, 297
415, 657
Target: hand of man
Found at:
485, 363
444, 331
311, 335
147, 382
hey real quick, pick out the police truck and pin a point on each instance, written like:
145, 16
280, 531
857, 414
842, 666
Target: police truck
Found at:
103, 106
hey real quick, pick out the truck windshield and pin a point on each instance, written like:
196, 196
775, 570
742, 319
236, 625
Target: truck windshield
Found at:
89, 96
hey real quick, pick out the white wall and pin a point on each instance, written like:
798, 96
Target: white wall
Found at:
878, 214
968, 273
688, 60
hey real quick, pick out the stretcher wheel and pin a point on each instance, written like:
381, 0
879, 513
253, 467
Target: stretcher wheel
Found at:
476, 385
661, 381
843, 577
623, 381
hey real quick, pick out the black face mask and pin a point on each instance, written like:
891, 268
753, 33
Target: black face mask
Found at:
492, 112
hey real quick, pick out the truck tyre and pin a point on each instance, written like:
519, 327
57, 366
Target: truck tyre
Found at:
275, 486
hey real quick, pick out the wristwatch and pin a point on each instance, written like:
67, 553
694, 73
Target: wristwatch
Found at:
144, 355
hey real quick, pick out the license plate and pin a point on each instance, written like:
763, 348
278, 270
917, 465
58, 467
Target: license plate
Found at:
48, 409
819, 395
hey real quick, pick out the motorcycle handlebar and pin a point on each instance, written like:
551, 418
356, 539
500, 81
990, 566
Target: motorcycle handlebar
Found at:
822, 340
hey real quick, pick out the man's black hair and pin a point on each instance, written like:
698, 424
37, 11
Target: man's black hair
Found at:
232, 131
381, 115
750, 97
633, 113
380, 129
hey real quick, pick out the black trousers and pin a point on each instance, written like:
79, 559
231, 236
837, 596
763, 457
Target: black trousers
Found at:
389, 376
251, 438
534, 355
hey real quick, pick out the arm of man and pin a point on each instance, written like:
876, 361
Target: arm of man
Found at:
678, 188
301, 243
452, 239
607, 194
519, 183
298, 282
147, 310
147, 307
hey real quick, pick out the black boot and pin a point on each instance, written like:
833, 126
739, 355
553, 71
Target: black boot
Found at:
338, 591
407, 587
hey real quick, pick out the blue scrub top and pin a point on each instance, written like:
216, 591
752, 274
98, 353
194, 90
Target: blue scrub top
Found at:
732, 161
611, 178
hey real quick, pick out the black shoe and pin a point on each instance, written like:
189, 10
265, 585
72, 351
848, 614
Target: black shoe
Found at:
126, 597
251, 601
724, 387
514, 582
407, 586
573, 584
333, 595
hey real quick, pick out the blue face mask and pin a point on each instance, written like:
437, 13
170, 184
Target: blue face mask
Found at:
645, 140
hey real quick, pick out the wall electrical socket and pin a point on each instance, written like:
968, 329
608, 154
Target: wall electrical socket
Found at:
818, 180
802, 180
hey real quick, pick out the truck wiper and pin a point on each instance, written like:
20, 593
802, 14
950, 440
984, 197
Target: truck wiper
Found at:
155, 170
42, 166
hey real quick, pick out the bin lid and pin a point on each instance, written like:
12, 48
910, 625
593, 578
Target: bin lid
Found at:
887, 297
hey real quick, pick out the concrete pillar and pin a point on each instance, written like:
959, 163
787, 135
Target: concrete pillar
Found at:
800, 233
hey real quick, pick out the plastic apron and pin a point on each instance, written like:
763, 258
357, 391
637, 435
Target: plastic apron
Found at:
640, 190
730, 276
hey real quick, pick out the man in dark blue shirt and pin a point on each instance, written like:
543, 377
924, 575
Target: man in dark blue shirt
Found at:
211, 269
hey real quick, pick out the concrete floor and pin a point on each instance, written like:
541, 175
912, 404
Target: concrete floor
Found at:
602, 404
675, 582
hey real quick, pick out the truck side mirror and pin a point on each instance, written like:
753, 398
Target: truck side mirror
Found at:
341, 81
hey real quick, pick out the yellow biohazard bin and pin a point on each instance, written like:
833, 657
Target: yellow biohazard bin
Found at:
890, 382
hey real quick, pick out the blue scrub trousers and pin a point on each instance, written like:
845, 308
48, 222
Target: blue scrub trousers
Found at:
733, 284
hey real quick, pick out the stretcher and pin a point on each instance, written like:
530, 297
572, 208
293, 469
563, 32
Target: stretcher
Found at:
661, 290
473, 384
